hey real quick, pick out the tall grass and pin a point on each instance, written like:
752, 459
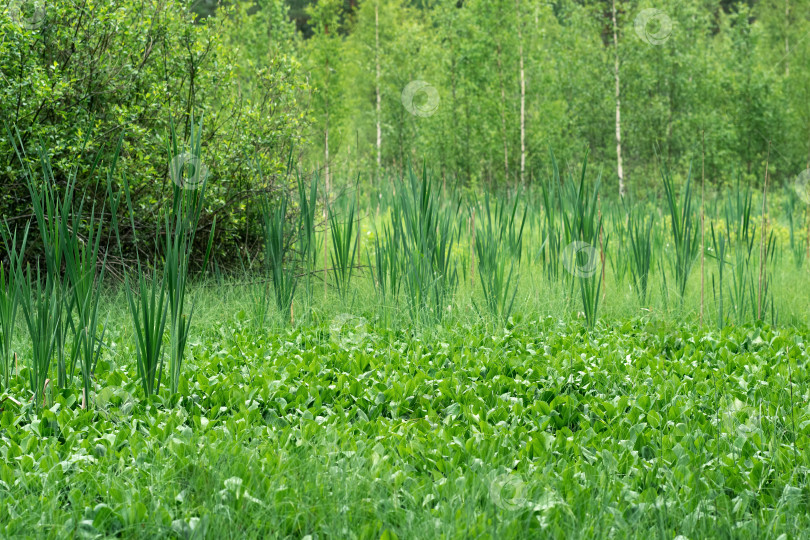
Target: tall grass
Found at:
9, 299
85, 278
795, 224
428, 234
582, 224
188, 201
344, 246
41, 304
52, 214
639, 229
550, 226
740, 236
149, 309
276, 250
8, 320
70, 290
685, 235
161, 294
499, 247
617, 232
418, 246
387, 265
307, 234
719, 244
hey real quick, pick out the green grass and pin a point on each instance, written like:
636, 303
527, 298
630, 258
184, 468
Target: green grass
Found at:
464, 430
456, 380
9, 302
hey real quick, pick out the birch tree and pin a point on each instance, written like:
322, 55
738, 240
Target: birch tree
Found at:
617, 78
324, 51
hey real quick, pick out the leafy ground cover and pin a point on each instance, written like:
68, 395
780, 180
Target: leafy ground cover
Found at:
472, 370
342, 429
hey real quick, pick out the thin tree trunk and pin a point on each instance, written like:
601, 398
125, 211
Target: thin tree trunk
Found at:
467, 158
326, 192
503, 113
453, 112
787, 38
377, 60
522, 99
618, 104
326, 132
326, 153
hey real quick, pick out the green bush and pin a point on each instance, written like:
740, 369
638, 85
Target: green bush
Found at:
76, 77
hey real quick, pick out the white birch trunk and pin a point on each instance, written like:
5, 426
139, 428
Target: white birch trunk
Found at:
503, 114
787, 38
379, 106
618, 104
522, 99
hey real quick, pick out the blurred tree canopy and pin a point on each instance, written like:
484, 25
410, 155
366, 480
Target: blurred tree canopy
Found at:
478, 89
736, 71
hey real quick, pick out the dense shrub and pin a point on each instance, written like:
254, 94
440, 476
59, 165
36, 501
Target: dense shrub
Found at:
77, 76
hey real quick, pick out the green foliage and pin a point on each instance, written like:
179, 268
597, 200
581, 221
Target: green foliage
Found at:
731, 70
505, 416
89, 73
417, 383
